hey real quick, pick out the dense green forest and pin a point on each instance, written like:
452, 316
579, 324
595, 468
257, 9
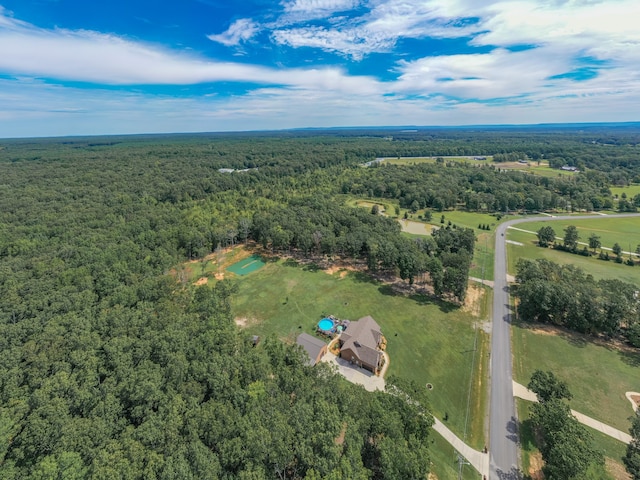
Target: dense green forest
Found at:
110, 368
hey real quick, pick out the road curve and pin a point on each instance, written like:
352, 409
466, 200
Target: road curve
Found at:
503, 437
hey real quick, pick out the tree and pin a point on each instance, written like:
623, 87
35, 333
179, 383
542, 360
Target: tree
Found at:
547, 386
594, 242
571, 238
546, 236
617, 249
375, 209
632, 458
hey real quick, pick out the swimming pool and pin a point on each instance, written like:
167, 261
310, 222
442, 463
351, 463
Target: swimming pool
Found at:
326, 324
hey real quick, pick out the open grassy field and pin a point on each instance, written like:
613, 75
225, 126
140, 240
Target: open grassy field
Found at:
625, 231
598, 375
544, 170
417, 160
598, 268
531, 459
445, 460
428, 341
630, 190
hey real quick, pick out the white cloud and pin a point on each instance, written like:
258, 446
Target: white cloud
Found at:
324, 6
87, 56
240, 31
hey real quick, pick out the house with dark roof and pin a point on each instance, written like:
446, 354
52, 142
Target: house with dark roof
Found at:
314, 347
360, 344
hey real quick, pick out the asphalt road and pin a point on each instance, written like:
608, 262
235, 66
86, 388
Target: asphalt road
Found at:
503, 437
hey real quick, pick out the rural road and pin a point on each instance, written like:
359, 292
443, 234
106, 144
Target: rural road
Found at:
503, 436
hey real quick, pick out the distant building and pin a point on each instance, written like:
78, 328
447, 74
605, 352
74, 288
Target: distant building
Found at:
360, 344
314, 347
568, 168
479, 158
226, 170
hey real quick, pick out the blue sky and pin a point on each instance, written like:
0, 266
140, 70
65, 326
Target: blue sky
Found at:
70, 67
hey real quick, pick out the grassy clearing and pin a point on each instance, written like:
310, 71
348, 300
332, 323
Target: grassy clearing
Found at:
630, 190
543, 169
417, 160
532, 462
597, 375
625, 231
428, 341
598, 268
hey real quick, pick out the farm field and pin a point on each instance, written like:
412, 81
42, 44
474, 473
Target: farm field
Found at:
428, 341
597, 374
598, 268
544, 170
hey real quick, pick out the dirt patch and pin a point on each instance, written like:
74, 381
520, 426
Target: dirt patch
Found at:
344, 269
616, 469
432, 476
343, 432
473, 300
244, 322
202, 281
415, 228
634, 398
535, 466
219, 276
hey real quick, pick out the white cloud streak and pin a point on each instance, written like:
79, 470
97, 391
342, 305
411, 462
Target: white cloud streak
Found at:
240, 31
87, 56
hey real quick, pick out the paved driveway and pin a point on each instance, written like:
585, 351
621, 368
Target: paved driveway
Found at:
354, 374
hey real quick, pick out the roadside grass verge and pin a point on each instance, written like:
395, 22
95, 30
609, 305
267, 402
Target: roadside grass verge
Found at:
445, 460
427, 340
598, 375
598, 268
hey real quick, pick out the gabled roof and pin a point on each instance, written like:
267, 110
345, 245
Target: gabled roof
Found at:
311, 345
362, 337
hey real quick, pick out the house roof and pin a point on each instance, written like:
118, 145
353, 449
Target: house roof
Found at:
362, 337
311, 345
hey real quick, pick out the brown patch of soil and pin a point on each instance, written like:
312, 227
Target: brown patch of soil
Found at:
219, 276
202, 281
433, 476
340, 439
343, 268
241, 321
616, 469
636, 398
535, 466
472, 300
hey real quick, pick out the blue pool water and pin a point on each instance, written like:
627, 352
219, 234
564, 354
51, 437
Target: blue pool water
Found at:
325, 324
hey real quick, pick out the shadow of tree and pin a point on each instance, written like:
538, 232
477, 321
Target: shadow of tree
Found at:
630, 358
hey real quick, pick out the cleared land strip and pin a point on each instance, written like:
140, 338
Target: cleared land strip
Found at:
478, 460
560, 238
523, 392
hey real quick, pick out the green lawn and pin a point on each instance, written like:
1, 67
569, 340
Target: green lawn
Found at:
445, 461
428, 341
598, 376
594, 266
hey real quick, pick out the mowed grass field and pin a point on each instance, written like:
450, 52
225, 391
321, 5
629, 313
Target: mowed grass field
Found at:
598, 375
598, 268
625, 231
630, 190
418, 160
427, 341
